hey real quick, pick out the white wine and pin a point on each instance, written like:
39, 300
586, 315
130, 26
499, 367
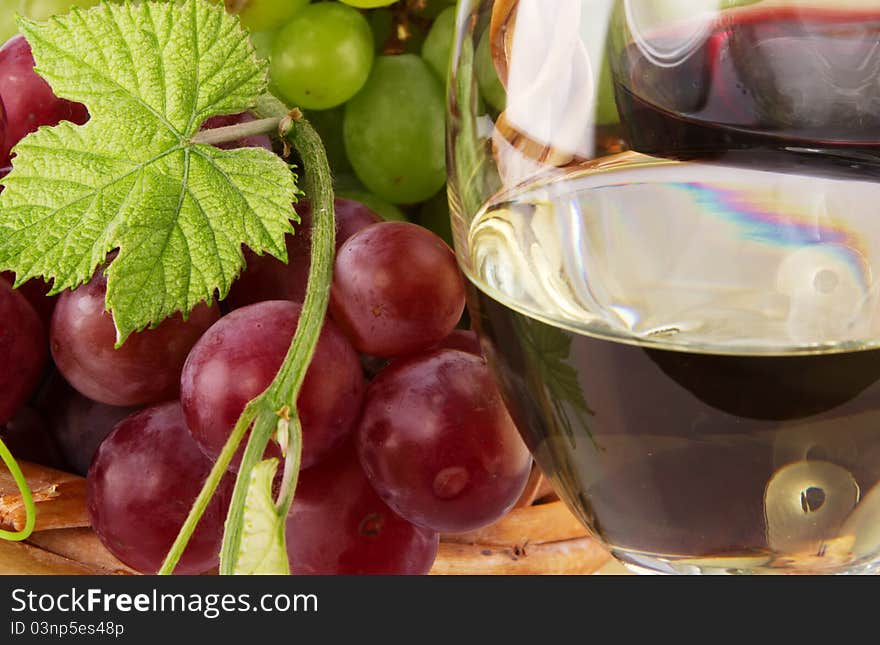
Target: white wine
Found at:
693, 350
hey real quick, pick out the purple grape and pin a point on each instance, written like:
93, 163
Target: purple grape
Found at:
396, 290
145, 370
267, 278
339, 526
141, 485
27, 438
238, 358
22, 351
4, 151
28, 99
464, 340
35, 292
257, 141
438, 445
79, 424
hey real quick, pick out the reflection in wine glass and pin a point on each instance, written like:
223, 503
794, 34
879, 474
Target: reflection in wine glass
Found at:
805, 503
840, 440
669, 224
826, 294
550, 80
861, 531
670, 47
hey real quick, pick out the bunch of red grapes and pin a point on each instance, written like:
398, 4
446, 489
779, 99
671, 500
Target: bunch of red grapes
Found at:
405, 435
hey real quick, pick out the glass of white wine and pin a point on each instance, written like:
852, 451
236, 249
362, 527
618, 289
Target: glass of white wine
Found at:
667, 213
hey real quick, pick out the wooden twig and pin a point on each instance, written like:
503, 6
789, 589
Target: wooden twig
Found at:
60, 499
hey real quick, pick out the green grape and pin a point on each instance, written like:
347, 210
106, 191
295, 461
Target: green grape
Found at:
434, 215
265, 15
43, 9
328, 124
657, 13
322, 57
263, 42
347, 182
347, 185
394, 130
386, 210
8, 27
606, 109
491, 88
433, 8
34, 9
438, 45
368, 4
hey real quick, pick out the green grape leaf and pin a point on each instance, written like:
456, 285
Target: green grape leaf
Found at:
130, 179
262, 550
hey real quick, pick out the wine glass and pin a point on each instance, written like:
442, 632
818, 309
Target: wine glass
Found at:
668, 214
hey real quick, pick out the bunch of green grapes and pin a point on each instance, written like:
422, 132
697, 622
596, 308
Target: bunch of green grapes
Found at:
35, 9
371, 76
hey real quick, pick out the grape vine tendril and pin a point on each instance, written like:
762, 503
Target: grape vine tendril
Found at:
263, 411
26, 496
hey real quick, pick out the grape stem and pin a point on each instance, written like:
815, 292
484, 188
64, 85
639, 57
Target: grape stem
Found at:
278, 401
230, 133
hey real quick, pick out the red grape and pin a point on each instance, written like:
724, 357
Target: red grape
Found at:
257, 141
22, 351
27, 438
28, 99
396, 289
464, 340
372, 365
351, 217
35, 292
438, 444
4, 151
339, 526
146, 369
238, 358
141, 485
78, 424
267, 278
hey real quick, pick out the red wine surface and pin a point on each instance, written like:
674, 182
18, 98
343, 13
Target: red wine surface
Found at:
765, 78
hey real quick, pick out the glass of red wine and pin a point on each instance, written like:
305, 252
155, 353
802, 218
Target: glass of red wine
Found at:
668, 214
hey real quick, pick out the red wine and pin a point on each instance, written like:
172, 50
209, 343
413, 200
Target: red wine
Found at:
690, 351
779, 78
671, 457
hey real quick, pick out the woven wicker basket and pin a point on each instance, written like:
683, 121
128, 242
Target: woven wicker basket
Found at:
540, 536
